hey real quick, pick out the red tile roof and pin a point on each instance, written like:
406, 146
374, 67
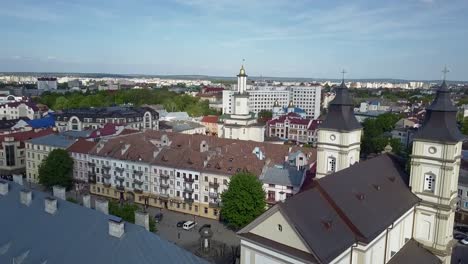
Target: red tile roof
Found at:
27, 135
82, 146
210, 119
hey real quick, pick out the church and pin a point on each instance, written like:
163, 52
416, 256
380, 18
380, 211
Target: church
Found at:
243, 123
371, 211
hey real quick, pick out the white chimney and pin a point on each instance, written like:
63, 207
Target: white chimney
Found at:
142, 219
18, 178
25, 197
116, 226
3, 187
59, 192
87, 201
102, 206
50, 205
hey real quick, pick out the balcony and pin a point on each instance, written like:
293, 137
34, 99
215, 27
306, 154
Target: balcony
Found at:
164, 196
107, 184
188, 200
137, 172
213, 185
120, 177
120, 170
120, 188
213, 195
106, 167
91, 164
92, 177
164, 176
138, 189
188, 189
164, 185
213, 204
271, 200
187, 179
106, 175
138, 181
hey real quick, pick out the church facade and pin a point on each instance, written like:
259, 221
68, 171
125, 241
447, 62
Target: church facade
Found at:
372, 211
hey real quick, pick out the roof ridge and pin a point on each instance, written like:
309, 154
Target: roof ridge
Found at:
339, 211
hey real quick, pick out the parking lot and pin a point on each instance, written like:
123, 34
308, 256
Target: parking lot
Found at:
168, 229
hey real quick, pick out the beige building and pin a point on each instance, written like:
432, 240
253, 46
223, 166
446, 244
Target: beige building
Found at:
366, 212
185, 173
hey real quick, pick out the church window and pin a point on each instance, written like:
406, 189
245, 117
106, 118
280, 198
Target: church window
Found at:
429, 182
280, 228
331, 164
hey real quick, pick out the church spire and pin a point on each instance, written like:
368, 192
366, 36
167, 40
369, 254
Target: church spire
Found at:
440, 123
340, 112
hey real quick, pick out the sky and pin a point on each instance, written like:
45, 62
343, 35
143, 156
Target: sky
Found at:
402, 39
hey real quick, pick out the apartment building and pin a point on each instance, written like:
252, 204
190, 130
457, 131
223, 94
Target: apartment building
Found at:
22, 109
79, 153
294, 128
185, 173
37, 149
307, 98
94, 118
46, 83
13, 150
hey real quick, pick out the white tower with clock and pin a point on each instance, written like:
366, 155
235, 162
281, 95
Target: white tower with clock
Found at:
339, 135
435, 164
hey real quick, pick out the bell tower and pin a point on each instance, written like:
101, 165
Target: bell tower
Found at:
339, 135
435, 164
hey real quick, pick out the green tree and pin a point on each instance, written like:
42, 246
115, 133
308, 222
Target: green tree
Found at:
127, 213
265, 114
56, 169
464, 128
243, 201
61, 103
374, 137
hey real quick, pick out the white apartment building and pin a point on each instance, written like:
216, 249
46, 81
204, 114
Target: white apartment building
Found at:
264, 97
47, 84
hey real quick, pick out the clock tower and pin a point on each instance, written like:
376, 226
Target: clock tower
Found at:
339, 135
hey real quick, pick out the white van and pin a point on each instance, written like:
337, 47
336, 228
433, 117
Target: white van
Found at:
189, 225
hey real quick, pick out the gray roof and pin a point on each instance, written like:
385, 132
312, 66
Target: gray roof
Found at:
179, 125
54, 140
340, 114
285, 176
413, 252
440, 123
329, 217
75, 234
78, 134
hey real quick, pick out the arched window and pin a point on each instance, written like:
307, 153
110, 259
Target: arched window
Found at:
429, 182
331, 164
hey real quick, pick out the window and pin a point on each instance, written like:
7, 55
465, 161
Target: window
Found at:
429, 182
331, 164
178, 193
466, 205
460, 192
280, 228
205, 210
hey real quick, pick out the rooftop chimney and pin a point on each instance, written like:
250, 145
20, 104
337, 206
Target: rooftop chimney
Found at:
3, 187
59, 192
142, 219
18, 178
50, 205
25, 197
102, 206
87, 201
116, 226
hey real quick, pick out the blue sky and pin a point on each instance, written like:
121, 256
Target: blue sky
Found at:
410, 39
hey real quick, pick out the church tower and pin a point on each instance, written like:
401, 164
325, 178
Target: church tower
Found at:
241, 98
435, 164
339, 135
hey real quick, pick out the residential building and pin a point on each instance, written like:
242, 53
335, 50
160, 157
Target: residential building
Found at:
404, 135
264, 97
241, 124
37, 149
184, 127
47, 84
180, 172
13, 150
292, 127
462, 204
79, 153
211, 124
368, 212
22, 109
94, 118
40, 228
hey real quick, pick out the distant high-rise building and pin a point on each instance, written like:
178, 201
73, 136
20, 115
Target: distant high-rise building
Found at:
47, 83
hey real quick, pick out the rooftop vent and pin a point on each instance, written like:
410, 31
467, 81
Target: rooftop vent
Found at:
18, 178
360, 196
142, 219
59, 192
50, 205
377, 187
26, 197
3, 188
327, 224
116, 226
87, 201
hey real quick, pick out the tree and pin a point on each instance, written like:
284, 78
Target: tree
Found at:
127, 213
243, 201
464, 128
61, 103
265, 115
56, 169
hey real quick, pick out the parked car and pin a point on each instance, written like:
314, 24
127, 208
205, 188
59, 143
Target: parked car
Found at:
205, 225
459, 236
189, 225
464, 241
181, 223
463, 229
158, 217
